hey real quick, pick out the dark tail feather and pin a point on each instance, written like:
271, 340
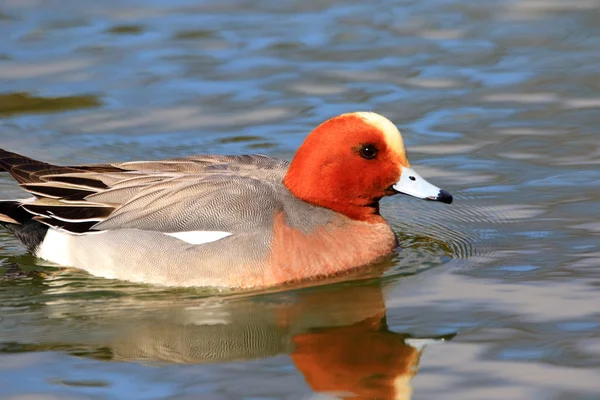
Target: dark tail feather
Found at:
18, 221
27, 170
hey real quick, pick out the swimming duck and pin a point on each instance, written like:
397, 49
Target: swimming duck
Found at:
248, 221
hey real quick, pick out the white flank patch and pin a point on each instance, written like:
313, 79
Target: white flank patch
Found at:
56, 247
199, 237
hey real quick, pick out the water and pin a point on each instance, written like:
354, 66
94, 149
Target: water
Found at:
499, 104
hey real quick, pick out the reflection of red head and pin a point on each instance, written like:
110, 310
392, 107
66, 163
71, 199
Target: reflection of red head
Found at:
361, 359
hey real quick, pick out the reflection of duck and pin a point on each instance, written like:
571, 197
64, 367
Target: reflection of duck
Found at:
365, 360
336, 336
222, 221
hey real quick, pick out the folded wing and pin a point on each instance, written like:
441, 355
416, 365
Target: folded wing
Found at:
197, 193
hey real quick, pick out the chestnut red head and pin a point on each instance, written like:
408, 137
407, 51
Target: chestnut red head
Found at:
348, 163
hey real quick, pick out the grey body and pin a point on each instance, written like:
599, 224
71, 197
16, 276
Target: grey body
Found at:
112, 219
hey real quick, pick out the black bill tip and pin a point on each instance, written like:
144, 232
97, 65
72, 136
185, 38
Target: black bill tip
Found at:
444, 197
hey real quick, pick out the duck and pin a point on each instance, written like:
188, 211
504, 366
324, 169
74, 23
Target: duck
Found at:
222, 221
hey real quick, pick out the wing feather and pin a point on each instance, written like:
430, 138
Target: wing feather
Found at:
213, 203
195, 193
58, 190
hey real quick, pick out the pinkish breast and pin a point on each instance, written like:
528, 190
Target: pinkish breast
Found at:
335, 248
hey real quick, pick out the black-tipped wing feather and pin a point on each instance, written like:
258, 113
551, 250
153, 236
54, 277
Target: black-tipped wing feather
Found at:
57, 190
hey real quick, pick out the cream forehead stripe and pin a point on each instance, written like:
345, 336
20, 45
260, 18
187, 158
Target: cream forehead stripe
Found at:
392, 135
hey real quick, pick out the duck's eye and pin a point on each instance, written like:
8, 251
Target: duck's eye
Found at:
368, 151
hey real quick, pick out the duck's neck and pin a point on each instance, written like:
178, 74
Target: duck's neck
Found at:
317, 189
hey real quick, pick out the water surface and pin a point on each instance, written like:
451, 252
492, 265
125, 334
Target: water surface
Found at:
493, 297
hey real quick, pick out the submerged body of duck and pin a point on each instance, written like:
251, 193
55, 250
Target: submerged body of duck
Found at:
221, 221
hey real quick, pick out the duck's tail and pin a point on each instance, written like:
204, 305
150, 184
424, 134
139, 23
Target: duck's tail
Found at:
24, 169
30, 232
12, 215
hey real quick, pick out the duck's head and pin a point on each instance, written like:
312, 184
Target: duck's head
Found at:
348, 163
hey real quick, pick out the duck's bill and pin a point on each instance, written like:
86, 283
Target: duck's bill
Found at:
412, 184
